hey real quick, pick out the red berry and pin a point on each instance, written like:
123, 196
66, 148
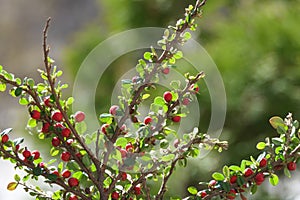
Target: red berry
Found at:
55, 173
47, 102
176, 118
26, 153
212, 183
259, 178
113, 109
137, 190
65, 156
231, 194
123, 153
73, 197
166, 70
45, 128
78, 155
129, 147
203, 194
124, 176
233, 179
35, 114
41, 165
194, 88
291, 166
66, 132
36, 154
263, 162
73, 182
115, 195
70, 141
168, 96
186, 101
5, 138
66, 173
79, 116
147, 120
176, 143
17, 147
57, 116
55, 141
248, 172
104, 128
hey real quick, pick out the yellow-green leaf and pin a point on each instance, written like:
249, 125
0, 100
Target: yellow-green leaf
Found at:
12, 186
276, 121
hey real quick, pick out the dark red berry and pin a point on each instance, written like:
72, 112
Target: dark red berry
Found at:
35, 114
104, 128
26, 153
115, 195
176, 119
168, 96
57, 116
36, 154
66, 173
47, 102
45, 128
73, 197
233, 179
212, 183
73, 182
291, 166
231, 194
55, 142
55, 173
124, 176
65, 156
5, 138
66, 132
129, 147
203, 194
248, 172
263, 162
259, 178
147, 120
137, 190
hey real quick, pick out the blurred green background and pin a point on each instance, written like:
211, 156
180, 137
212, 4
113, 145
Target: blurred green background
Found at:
255, 44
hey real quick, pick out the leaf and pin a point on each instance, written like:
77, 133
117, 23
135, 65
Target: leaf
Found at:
235, 168
17, 177
70, 101
2, 87
178, 55
106, 118
187, 35
81, 127
18, 91
159, 101
12, 186
226, 171
192, 190
23, 101
276, 121
122, 142
218, 176
287, 172
59, 73
147, 55
168, 157
261, 145
175, 84
225, 186
32, 123
273, 179
145, 96
253, 189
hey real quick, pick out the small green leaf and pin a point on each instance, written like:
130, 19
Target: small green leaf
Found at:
261, 145
253, 189
59, 73
147, 55
226, 171
168, 157
32, 123
18, 91
287, 172
81, 127
178, 55
187, 35
192, 190
122, 142
145, 96
273, 179
70, 101
17, 177
218, 176
235, 168
23, 101
106, 118
37, 171
225, 186
2, 87
276, 121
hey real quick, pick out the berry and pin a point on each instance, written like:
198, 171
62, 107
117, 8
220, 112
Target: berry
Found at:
203, 194
176, 118
124, 176
55, 173
41, 165
233, 179
57, 116
263, 162
115, 195
35, 114
137, 190
194, 88
259, 178
123, 153
26, 153
55, 142
36, 154
5, 138
47, 102
73, 197
176, 143
291, 166
73, 182
45, 128
66, 173
79, 116
78, 155
166, 70
65, 156
248, 172
113, 109
212, 183
147, 120
70, 141
66, 132
129, 147
104, 128
168, 96
231, 194
186, 101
